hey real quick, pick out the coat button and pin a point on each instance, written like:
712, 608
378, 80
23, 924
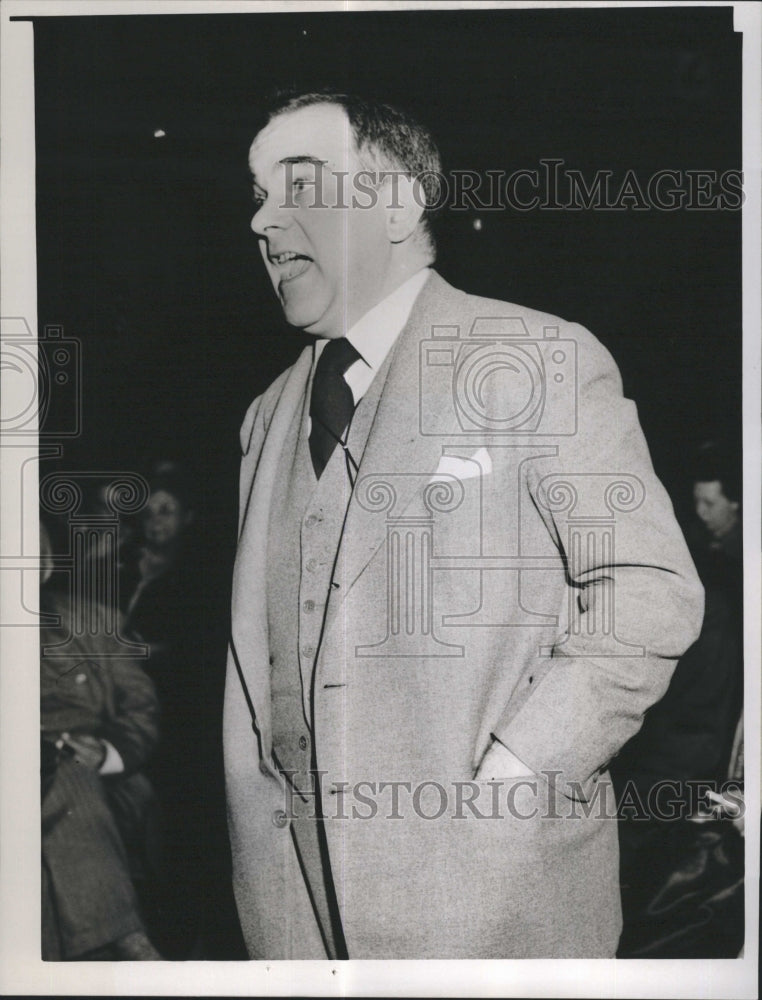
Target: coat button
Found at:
308, 651
303, 742
312, 565
264, 769
311, 521
80, 678
280, 819
308, 607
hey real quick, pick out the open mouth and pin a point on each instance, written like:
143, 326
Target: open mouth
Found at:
290, 265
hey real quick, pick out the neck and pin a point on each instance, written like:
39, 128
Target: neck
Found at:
399, 271
160, 554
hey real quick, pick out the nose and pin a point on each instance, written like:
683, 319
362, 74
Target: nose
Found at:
267, 216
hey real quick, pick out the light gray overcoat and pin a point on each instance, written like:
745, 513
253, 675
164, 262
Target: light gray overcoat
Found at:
538, 589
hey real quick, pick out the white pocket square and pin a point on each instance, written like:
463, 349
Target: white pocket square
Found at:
479, 464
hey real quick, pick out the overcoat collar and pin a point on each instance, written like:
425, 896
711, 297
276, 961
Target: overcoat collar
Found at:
397, 463
249, 629
399, 460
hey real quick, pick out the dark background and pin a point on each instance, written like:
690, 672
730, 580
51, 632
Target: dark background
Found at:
145, 253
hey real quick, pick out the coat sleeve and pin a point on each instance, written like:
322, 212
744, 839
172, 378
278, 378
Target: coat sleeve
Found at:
133, 730
131, 723
635, 605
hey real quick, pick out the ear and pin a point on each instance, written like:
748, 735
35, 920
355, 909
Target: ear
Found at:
403, 199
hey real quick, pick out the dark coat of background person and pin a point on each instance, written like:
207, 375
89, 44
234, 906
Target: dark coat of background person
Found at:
683, 882
96, 832
169, 616
145, 253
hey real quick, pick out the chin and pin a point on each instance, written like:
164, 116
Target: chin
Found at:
298, 310
304, 318
298, 319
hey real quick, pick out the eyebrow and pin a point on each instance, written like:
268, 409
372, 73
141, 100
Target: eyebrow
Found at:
303, 159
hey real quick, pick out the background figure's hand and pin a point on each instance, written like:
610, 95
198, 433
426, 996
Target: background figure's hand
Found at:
732, 809
88, 750
499, 763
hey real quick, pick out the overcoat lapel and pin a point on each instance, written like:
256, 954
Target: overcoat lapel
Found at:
250, 646
397, 454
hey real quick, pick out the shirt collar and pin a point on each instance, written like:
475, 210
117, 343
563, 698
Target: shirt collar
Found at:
373, 335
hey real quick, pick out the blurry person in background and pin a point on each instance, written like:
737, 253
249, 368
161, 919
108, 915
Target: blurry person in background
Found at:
155, 582
160, 591
98, 716
673, 868
717, 498
717, 512
718, 553
101, 508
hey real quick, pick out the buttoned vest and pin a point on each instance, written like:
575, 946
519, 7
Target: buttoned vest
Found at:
305, 530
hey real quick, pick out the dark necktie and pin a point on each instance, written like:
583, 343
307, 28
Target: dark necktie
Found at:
332, 403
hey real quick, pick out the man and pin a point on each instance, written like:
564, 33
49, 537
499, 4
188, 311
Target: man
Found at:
689, 735
717, 499
711, 673
415, 624
99, 725
690, 901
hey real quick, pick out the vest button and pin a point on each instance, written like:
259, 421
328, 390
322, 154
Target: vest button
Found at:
303, 743
308, 607
280, 819
312, 565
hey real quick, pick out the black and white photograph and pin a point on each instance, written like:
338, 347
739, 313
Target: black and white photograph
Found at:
381, 473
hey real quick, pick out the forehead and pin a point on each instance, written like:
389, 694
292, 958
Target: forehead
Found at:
709, 491
319, 131
163, 498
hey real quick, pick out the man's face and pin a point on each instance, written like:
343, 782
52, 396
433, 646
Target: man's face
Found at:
328, 264
718, 513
